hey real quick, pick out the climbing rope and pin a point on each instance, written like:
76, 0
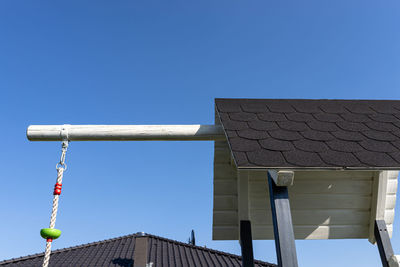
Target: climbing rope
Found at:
50, 233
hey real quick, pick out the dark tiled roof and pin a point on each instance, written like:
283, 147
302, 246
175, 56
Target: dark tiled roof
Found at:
294, 133
119, 252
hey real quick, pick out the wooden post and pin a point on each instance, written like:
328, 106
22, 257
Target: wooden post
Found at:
246, 244
125, 132
283, 226
383, 242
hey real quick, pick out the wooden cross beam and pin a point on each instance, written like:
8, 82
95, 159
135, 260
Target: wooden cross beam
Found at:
125, 132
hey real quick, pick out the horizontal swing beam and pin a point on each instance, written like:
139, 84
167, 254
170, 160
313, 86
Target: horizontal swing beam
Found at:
124, 132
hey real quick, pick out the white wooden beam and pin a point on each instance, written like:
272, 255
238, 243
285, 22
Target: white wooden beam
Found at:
394, 261
125, 132
378, 202
243, 195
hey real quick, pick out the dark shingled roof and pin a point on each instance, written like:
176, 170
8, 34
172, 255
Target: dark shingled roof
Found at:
119, 252
294, 133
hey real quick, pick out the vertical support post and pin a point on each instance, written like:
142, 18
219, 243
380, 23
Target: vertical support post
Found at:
283, 226
246, 243
383, 241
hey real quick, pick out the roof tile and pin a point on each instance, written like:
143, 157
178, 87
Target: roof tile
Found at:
380, 136
254, 107
352, 126
235, 125
302, 128
277, 145
348, 136
293, 126
323, 126
252, 134
280, 107
259, 157
383, 107
244, 145
243, 116
333, 107
300, 117
240, 158
317, 135
271, 116
285, 135
344, 146
351, 117
263, 125
375, 159
228, 106
301, 158
381, 126
340, 158
378, 146
310, 145
384, 118
230, 133
359, 108
395, 156
327, 117
396, 144
305, 106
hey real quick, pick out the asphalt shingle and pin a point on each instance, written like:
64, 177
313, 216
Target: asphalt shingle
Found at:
295, 133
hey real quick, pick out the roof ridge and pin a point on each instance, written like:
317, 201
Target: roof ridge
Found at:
128, 236
69, 248
202, 248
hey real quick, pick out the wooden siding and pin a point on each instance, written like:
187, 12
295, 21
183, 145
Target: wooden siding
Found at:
324, 204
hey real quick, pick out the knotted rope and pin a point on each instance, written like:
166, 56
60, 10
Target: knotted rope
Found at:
61, 167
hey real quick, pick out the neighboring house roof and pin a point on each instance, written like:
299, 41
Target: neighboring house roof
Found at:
123, 251
323, 134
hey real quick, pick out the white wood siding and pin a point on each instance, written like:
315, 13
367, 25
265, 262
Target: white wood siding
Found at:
324, 204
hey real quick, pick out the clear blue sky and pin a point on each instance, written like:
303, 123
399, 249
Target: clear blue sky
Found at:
164, 62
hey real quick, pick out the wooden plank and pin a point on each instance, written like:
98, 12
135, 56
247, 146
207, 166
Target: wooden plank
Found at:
317, 217
225, 187
378, 202
303, 232
334, 175
224, 171
265, 232
226, 202
221, 218
383, 242
243, 195
282, 224
321, 187
225, 233
316, 201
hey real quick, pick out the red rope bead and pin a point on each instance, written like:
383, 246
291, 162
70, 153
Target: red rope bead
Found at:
49, 239
57, 189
